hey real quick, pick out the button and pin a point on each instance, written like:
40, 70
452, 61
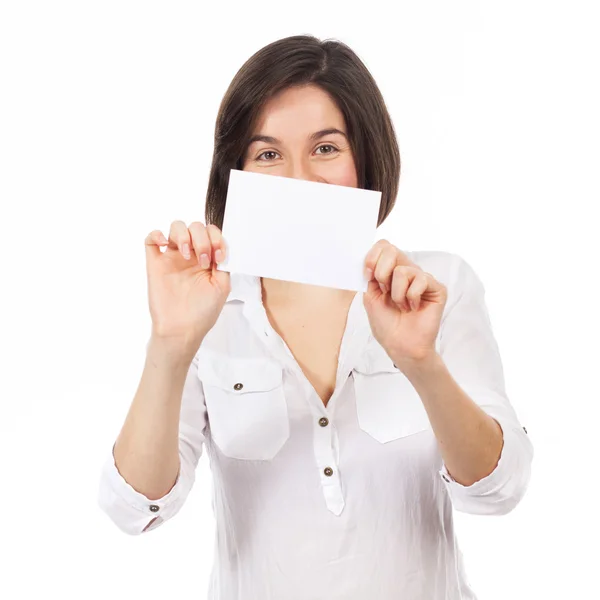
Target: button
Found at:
154, 508
525, 430
238, 386
323, 421
395, 367
328, 471
445, 478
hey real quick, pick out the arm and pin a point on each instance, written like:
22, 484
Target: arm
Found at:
470, 441
146, 451
486, 452
151, 468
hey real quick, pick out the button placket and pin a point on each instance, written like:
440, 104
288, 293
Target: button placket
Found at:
326, 450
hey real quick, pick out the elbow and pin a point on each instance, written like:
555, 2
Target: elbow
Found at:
504, 503
500, 501
510, 500
509, 496
493, 504
500, 492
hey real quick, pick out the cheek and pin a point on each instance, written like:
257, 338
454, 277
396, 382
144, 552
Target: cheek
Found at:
342, 173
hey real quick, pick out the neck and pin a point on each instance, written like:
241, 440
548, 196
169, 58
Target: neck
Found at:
290, 294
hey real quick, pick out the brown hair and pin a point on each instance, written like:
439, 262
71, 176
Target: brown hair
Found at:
295, 61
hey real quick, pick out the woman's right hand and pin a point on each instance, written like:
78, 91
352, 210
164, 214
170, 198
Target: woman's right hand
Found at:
186, 295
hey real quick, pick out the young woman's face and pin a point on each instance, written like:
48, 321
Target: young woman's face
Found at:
289, 141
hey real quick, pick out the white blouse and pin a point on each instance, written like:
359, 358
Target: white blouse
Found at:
345, 501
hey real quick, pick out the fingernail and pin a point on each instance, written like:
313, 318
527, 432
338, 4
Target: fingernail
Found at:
382, 287
186, 250
218, 256
412, 304
369, 274
205, 261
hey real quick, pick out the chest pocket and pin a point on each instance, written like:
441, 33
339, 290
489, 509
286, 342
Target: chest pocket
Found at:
246, 406
388, 406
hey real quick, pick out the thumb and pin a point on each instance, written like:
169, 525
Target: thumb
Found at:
154, 240
373, 291
223, 279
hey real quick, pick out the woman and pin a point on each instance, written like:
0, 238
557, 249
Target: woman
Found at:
341, 428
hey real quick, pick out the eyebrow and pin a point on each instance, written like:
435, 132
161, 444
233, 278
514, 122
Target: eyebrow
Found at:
315, 136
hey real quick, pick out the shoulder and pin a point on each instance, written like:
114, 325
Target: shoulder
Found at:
452, 270
446, 267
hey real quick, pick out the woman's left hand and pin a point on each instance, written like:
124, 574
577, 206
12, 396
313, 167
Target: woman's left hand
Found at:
394, 281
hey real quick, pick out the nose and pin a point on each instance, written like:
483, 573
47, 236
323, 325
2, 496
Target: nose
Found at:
302, 169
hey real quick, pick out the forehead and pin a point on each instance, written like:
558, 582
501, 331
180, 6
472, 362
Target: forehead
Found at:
298, 110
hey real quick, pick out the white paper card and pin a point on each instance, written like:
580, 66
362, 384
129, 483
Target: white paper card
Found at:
298, 230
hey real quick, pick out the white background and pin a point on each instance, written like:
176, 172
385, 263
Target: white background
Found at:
107, 115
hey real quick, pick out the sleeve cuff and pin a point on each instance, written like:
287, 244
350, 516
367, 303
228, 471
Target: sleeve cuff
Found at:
125, 497
502, 489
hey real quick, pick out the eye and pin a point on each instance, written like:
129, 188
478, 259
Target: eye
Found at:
333, 148
332, 151
266, 152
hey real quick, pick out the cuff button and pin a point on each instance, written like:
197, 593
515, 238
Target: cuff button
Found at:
445, 478
525, 430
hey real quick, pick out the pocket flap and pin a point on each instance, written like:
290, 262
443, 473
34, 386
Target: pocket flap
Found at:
388, 406
239, 375
376, 360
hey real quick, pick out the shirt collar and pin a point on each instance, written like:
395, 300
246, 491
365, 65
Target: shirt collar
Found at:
248, 289
245, 288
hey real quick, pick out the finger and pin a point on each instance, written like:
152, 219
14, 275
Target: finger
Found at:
372, 257
373, 289
154, 240
179, 238
217, 242
385, 265
201, 243
374, 253
416, 289
400, 283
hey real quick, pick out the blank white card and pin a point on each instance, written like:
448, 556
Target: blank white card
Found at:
298, 230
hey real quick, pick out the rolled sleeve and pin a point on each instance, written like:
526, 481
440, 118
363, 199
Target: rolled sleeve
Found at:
471, 354
130, 510
500, 491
